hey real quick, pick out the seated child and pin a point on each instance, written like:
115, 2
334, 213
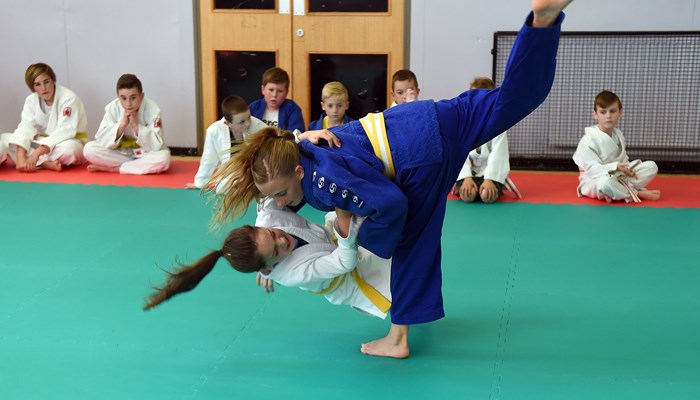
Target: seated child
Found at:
606, 171
485, 173
293, 252
334, 103
274, 108
53, 125
236, 125
130, 137
404, 87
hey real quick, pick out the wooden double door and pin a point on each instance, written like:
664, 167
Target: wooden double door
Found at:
357, 42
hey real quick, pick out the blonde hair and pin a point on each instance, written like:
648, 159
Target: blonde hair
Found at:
334, 88
266, 154
482, 82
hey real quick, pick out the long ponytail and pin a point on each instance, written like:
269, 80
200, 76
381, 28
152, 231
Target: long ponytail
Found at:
266, 154
183, 279
239, 249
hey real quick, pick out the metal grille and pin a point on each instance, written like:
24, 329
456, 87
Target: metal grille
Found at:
657, 77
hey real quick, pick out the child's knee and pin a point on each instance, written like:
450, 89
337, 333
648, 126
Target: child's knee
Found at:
609, 186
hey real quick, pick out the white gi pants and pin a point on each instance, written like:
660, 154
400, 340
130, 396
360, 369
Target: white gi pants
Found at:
612, 187
69, 152
151, 162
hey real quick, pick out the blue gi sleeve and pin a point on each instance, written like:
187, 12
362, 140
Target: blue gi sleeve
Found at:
349, 183
528, 77
294, 118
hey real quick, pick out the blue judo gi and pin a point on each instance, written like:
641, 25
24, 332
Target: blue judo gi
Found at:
429, 143
289, 116
318, 124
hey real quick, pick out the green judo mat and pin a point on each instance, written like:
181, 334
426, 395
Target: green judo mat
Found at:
542, 302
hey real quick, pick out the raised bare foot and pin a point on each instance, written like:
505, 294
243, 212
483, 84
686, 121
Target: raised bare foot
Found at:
385, 347
52, 165
649, 194
546, 11
100, 168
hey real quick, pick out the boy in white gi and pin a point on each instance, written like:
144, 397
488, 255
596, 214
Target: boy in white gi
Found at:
130, 137
289, 250
53, 126
485, 172
236, 125
606, 171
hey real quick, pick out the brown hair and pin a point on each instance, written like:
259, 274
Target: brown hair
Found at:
129, 81
482, 82
33, 72
404, 75
605, 99
266, 154
275, 75
239, 249
233, 105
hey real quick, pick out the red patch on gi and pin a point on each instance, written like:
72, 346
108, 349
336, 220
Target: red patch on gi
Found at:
66, 112
157, 123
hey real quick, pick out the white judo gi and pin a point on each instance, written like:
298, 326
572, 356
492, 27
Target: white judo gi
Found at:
490, 161
322, 267
217, 148
147, 155
61, 127
597, 156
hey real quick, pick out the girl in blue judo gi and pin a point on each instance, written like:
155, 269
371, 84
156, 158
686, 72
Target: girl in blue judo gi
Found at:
396, 168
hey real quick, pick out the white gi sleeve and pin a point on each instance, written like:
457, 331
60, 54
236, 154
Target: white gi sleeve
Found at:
498, 163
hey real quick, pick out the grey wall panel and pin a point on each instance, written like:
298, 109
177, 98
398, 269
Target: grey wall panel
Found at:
91, 43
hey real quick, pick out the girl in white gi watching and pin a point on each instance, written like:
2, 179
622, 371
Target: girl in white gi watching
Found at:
53, 126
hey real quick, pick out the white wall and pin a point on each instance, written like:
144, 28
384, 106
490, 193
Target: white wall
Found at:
89, 44
451, 40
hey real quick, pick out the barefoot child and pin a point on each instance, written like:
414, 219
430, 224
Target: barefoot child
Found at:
53, 125
606, 171
130, 137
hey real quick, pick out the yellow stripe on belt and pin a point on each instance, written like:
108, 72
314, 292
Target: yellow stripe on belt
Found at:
371, 293
374, 127
335, 284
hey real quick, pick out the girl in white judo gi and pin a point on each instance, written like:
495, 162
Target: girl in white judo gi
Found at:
236, 125
289, 250
130, 137
53, 126
606, 171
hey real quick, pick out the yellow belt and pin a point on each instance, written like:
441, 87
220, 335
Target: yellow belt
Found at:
374, 127
335, 284
372, 294
79, 135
